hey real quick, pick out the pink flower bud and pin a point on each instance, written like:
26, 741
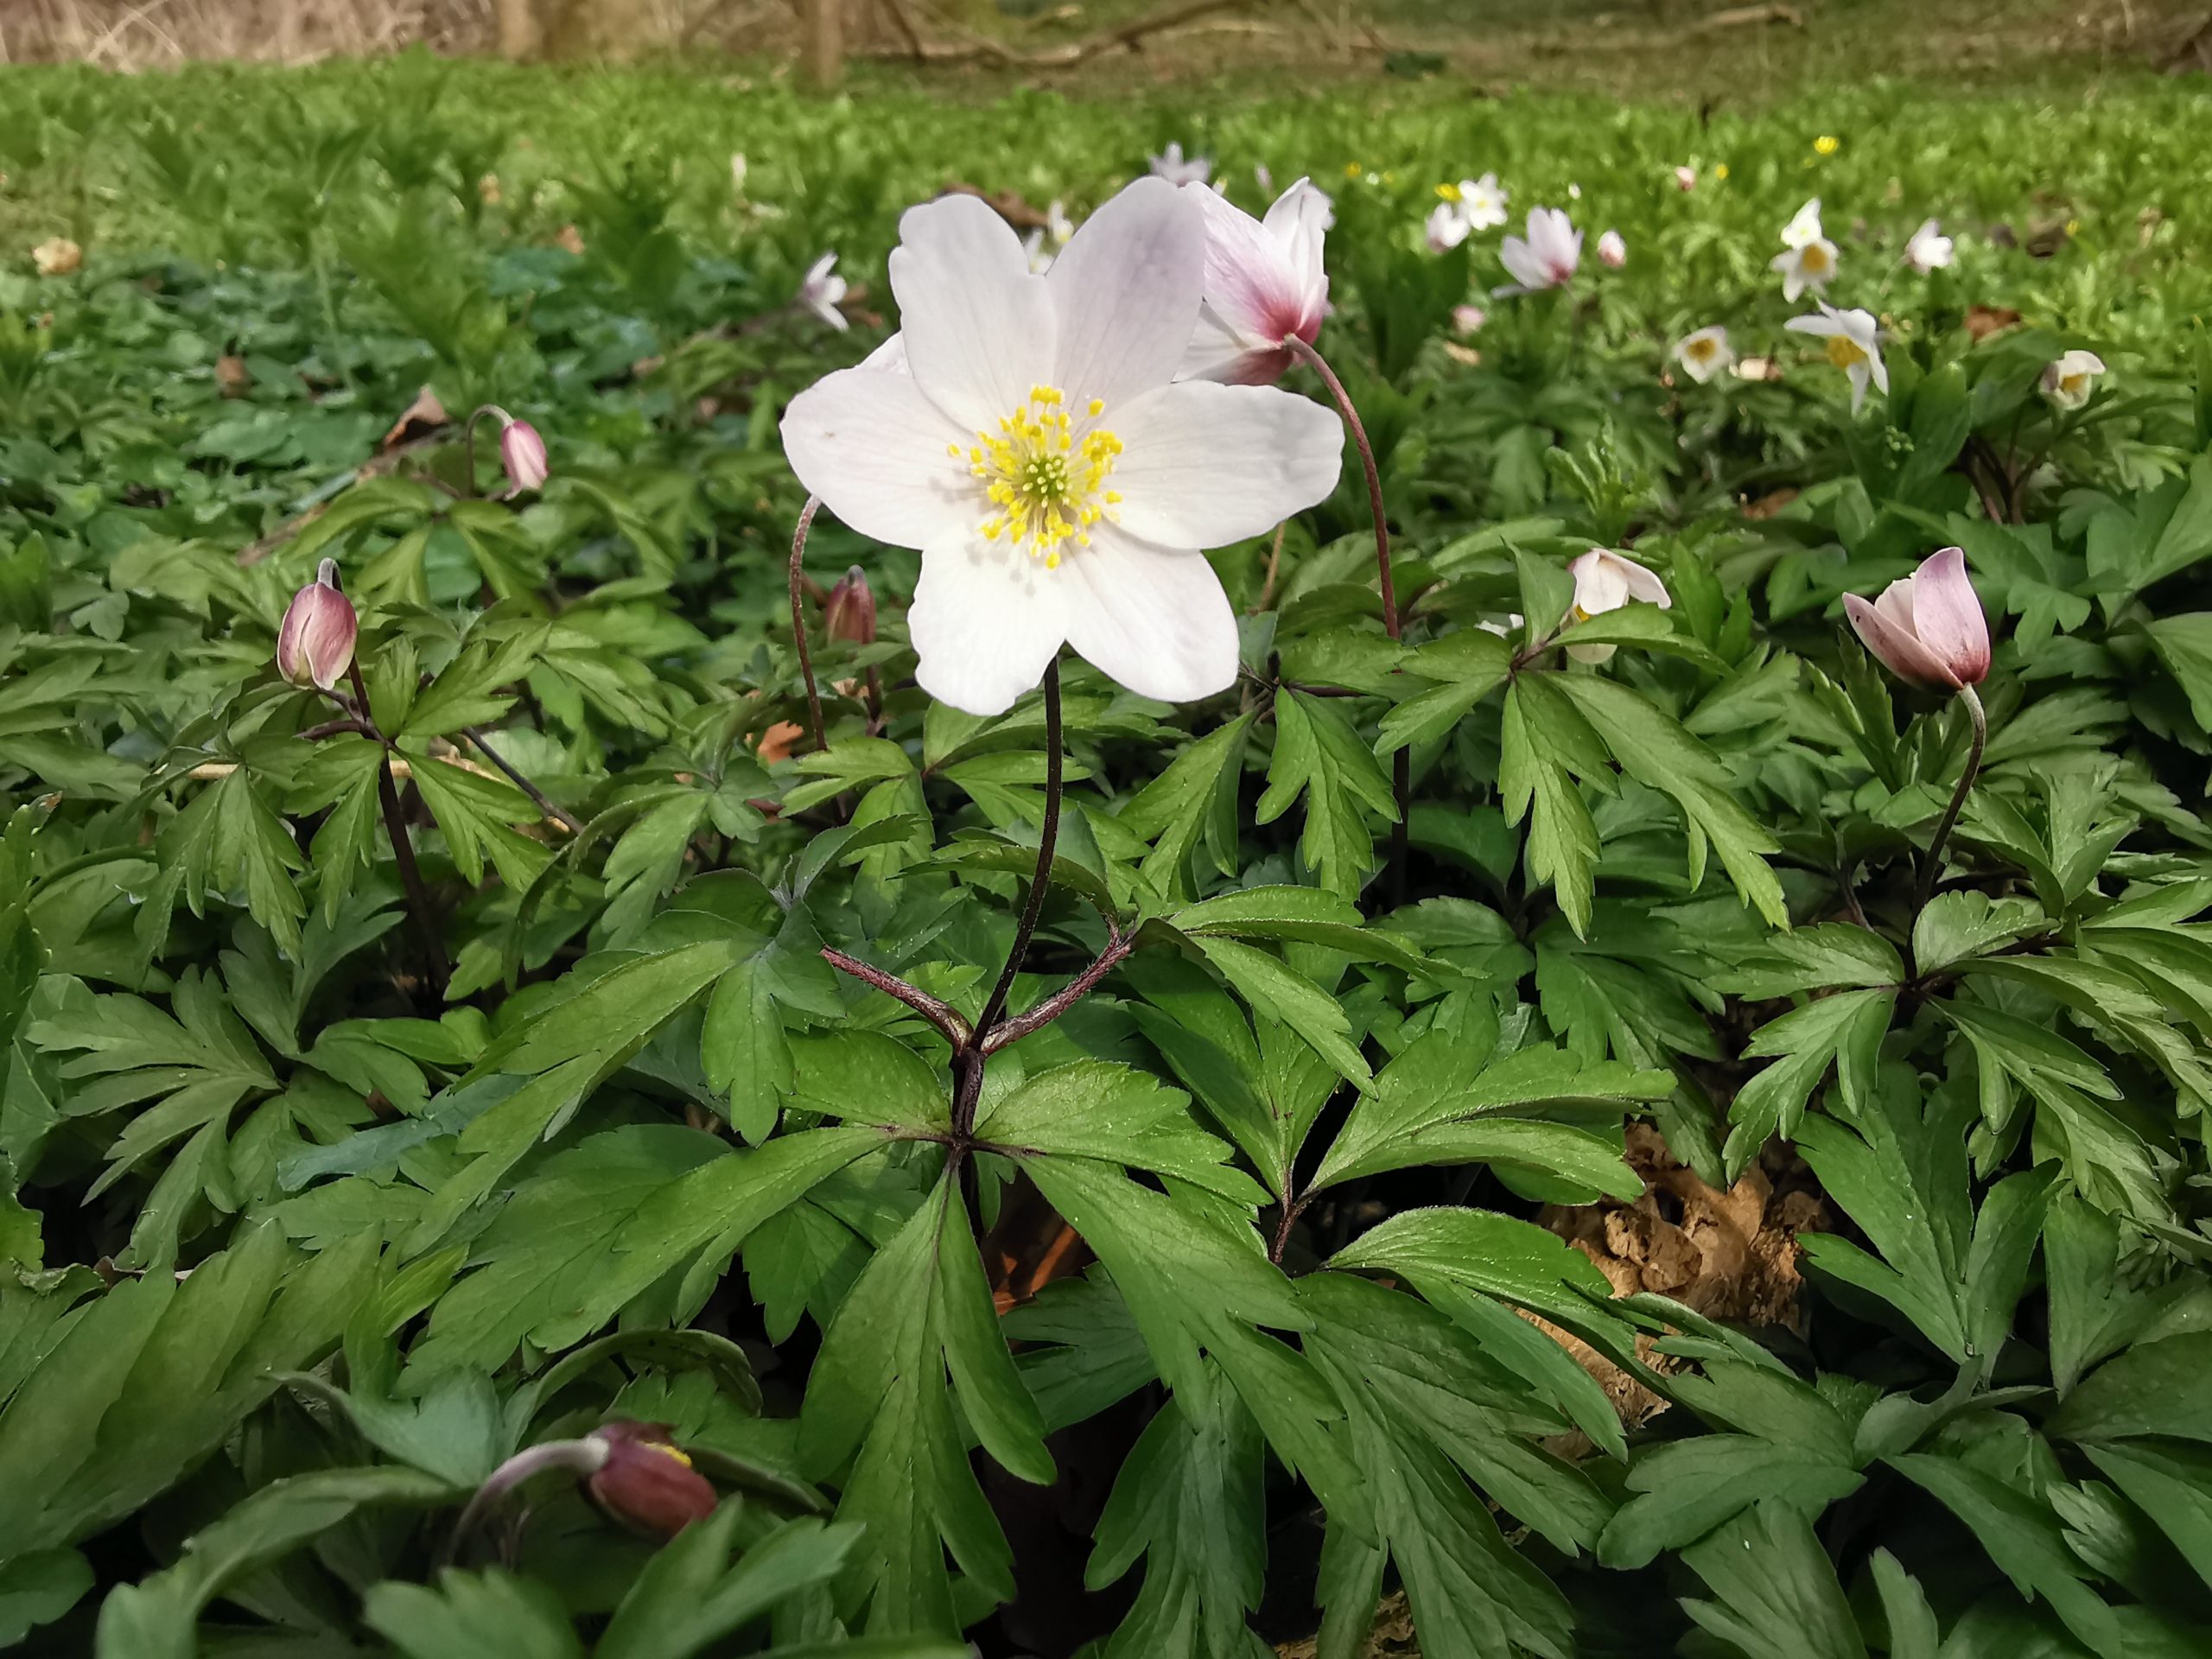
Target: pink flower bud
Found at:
1927, 627
1686, 179
1612, 253
647, 1483
523, 452
850, 612
315, 645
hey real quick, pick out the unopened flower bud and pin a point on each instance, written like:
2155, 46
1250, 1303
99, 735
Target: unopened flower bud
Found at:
1686, 179
1928, 627
647, 1483
315, 645
523, 452
850, 612
1613, 251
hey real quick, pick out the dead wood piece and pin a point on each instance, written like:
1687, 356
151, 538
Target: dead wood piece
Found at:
1748, 17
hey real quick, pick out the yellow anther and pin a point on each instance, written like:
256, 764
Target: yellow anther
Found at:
1097, 406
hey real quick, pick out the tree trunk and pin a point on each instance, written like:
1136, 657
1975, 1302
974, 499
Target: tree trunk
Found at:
601, 29
825, 42
517, 26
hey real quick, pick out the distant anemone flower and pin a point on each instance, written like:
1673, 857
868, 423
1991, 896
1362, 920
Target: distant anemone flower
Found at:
1264, 285
1929, 249
1810, 266
1044, 244
1171, 165
1853, 345
1704, 353
1482, 203
1604, 581
1469, 319
1927, 627
1548, 258
521, 452
1038, 453
822, 290
1446, 228
315, 644
1804, 226
1262, 177
2068, 381
1686, 179
1612, 253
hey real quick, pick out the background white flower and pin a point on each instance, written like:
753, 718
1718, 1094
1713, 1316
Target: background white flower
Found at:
1447, 227
1606, 581
1704, 353
1482, 203
1804, 228
2068, 381
1929, 249
1812, 265
1550, 255
1613, 251
1057, 484
1853, 345
821, 290
1171, 165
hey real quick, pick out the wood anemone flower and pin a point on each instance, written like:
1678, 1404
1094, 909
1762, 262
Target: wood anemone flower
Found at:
1604, 581
315, 643
1264, 285
1547, 257
1853, 345
1039, 451
1927, 627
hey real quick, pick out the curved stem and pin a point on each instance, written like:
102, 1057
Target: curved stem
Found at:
943, 1015
798, 621
1043, 880
1402, 761
467, 492
1933, 860
1013, 1030
402, 850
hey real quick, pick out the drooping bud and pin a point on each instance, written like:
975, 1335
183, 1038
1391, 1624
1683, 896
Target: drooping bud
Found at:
647, 1483
315, 645
1686, 179
1604, 581
521, 452
1927, 627
1613, 251
850, 612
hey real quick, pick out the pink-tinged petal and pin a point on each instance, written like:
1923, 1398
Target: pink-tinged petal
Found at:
1897, 650
1299, 221
985, 620
1249, 287
1126, 290
1153, 619
1203, 465
1216, 352
978, 325
1522, 263
874, 448
1948, 617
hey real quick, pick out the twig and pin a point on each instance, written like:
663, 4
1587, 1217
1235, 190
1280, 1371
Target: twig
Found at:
798, 620
973, 47
1275, 569
1013, 1031
572, 824
1034, 904
943, 1015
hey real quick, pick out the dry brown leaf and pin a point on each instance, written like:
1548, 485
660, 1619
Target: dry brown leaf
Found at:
424, 416
570, 239
57, 257
232, 376
1983, 321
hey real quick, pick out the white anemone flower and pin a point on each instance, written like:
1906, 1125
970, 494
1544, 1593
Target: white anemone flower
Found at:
1704, 353
1482, 203
1447, 227
1264, 285
2069, 382
1929, 249
1613, 251
1805, 227
821, 290
1171, 165
1853, 345
1606, 581
1686, 179
1549, 256
1057, 480
1810, 266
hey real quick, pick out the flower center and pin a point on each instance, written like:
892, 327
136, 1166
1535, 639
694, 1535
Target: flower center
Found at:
1045, 478
1814, 259
1701, 350
1845, 352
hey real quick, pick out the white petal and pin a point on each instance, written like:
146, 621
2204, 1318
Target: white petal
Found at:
978, 325
1127, 291
1202, 465
1218, 352
1154, 619
872, 448
1299, 219
985, 620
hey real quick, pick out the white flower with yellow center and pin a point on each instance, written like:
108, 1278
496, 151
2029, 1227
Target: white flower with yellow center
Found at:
1804, 228
1853, 345
1037, 450
1810, 266
1481, 203
1604, 581
2068, 381
1704, 353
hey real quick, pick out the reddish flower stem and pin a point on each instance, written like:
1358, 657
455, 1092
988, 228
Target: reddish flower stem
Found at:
1933, 860
798, 621
943, 1015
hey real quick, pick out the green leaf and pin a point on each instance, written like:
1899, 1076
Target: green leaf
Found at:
1954, 927
1280, 993
744, 1052
1847, 1029
38, 1588
1099, 1110
1689, 1487
2153, 1388
868, 1076
691, 1594
1306, 915
1320, 754
1190, 805
1778, 1594
1543, 740
468, 1615
1833, 955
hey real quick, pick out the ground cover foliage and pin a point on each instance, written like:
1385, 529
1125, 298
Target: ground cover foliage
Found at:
320, 1206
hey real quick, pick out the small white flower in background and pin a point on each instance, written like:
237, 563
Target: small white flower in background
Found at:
1171, 165
737, 171
1757, 368
1929, 249
1612, 253
1469, 319
1447, 228
2069, 382
1704, 353
1547, 257
1264, 179
1056, 479
1264, 284
57, 257
1606, 581
1574, 192
1686, 179
1045, 242
821, 290
1805, 227
1513, 623
1482, 203
1810, 266
1853, 345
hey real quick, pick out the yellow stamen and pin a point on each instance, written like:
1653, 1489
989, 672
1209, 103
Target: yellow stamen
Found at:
1845, 352
1044, 479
